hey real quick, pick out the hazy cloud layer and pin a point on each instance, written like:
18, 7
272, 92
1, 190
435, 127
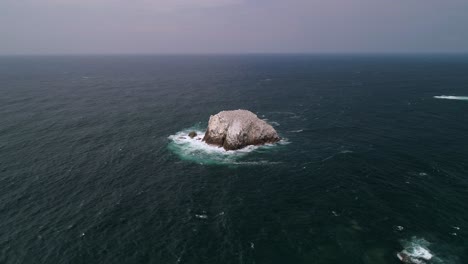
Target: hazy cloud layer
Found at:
232, 26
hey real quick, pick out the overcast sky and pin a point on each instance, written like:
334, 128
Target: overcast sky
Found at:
232, 26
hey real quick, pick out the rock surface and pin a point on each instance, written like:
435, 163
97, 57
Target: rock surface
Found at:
192, 134
237, 129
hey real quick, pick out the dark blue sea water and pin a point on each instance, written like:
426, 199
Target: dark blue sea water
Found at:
370, 163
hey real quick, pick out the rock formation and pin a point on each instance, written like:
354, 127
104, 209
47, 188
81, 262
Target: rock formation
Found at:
237, 129
192, 134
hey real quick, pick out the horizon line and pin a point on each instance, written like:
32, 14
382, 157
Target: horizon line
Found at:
237, 53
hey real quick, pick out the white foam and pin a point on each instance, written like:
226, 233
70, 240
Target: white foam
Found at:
451, 97
273, 123
422, 253
296, 131
197, 150
415, 251
201, 216
197, 144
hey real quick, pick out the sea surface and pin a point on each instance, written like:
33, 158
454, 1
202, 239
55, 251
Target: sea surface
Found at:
373, 159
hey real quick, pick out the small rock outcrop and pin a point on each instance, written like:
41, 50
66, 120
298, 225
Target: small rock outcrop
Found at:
237, 129
192, 134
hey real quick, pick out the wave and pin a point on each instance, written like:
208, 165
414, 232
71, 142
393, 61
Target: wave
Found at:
256, 163
451, 97
273, 123
282, 113
196, 150
418, 250
415, 251
288, 114
296, 131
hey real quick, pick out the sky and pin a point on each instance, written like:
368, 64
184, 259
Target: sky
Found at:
232, 26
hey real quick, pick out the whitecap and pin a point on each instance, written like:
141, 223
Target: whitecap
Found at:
296, 131
201, 216
451, 97
415, 251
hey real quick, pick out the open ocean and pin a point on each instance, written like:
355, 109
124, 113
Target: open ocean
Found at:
373, 161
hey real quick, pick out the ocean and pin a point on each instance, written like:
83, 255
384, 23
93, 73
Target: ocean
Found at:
373, 159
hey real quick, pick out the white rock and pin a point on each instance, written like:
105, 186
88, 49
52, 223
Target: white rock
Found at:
237, 129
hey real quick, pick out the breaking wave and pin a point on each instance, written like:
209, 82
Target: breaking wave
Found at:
196, 150
451, 97
418, 250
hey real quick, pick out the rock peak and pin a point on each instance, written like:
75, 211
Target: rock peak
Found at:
237, 129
